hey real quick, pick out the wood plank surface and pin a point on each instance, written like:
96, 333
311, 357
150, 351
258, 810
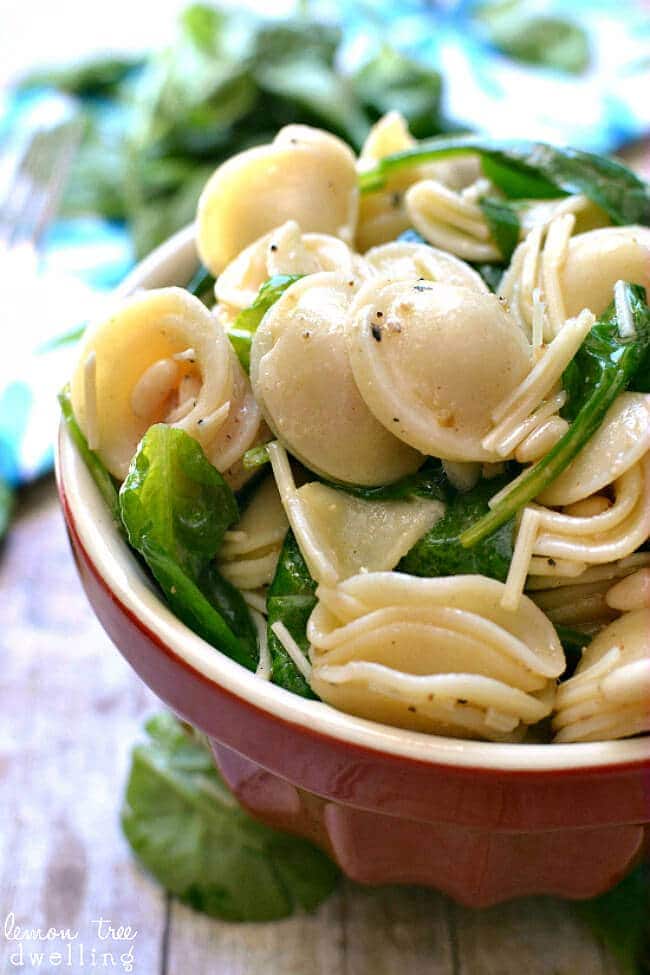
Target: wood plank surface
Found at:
70, 711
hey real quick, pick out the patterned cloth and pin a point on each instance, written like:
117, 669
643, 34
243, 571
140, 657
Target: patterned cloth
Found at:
600, 109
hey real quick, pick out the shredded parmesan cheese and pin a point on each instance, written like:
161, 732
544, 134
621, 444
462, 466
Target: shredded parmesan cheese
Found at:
519, 566
553, 258
255, 601
292, 648
623, 312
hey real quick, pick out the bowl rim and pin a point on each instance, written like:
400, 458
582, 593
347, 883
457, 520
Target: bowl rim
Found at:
114, 563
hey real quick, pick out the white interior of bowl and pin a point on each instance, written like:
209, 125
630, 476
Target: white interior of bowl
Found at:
174, 263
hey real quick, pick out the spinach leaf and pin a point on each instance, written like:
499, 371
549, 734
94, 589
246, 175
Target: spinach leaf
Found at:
532, 170
245, 325
608, 366
429, 482
491, 274
255, 457
503, 222
393, 82
551, 42
7, 501
440, 552
290, 600
602, 346
92, 77
104, 481
175, 507
620, 919
202, 285
189, 831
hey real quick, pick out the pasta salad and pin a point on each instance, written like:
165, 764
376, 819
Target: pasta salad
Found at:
391, 448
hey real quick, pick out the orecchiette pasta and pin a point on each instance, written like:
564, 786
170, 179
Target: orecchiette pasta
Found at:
432, 360
339, 534
433, 654
572, 273
305, 174
249, 554
609, 694
162, 356
303, 382
400, 260
620, 442
285, 250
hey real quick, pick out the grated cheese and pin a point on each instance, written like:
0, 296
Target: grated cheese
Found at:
292, 648
519, 566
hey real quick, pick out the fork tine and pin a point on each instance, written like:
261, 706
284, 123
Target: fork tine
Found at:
37, 183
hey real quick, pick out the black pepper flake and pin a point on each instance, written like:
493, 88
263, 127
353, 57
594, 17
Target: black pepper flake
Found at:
274, 247
350, 284
395, 199
376, 332
421, 287
380, 314
411, 709
395, 419
552, 563
462, 700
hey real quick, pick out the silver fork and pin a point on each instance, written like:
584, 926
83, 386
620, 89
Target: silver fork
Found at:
36, 171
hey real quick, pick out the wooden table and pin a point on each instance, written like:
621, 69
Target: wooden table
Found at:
70, 711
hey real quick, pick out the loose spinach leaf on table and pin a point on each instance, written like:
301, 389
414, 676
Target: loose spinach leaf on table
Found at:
189, 831
93, 77
607, 364
620, 919
290, 600
7, 502
243, 329
175, 507
104, 481
440, 553
532, 170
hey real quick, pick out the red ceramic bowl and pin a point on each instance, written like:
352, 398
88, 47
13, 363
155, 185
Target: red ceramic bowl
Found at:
483, 822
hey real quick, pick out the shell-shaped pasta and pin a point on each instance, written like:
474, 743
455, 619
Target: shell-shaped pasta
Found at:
401, 260
437, 655
433, 360
596, 260
303, 382
450, 220
621, 440
608, 535
609, 694
573, 273
285, 250
340, 535
160, 357
249, 554
382, 214
305, 174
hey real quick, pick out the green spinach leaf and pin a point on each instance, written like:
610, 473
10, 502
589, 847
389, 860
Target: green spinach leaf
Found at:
175, 507
429, 482
532, 170
551, 42
104, 481
7, 502
440, 552
189, 831
245, 325
610, 364
290, 600
393, 82
503, 221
